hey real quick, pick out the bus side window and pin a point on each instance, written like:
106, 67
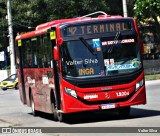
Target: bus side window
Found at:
41, 53
27, 54
47, 51
34, 44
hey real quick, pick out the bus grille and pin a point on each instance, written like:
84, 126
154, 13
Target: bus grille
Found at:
103, 83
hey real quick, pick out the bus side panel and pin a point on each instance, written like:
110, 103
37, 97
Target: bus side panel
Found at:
29, 80
47, 87
39, 83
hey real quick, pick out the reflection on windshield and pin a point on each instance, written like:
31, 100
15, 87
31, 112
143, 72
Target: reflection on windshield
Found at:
125, 56
79, 61
114, 42
87, 45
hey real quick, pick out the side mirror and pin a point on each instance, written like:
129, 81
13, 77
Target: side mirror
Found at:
56, 53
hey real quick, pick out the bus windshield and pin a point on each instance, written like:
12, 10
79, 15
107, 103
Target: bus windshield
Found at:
113, 56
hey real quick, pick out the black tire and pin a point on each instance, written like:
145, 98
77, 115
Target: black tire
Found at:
124, 111
60, 116
4, 89
55, 117
16, 86
34, 112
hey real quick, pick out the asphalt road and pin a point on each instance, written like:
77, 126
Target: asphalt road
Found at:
14, 114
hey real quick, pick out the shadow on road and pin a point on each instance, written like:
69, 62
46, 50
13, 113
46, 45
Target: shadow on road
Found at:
89, 117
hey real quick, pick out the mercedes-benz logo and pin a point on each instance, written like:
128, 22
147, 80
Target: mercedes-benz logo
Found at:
107, 95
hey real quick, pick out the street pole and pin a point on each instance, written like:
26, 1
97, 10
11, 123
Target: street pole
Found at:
124, 8
11, 39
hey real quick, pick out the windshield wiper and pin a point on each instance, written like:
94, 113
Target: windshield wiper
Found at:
87, 45
115, 42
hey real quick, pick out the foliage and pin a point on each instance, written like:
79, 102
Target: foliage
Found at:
152, 77
30, 13
146, 12
3, 25
147, 9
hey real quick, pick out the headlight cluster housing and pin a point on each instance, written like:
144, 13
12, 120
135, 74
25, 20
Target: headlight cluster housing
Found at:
71, 92
139, 84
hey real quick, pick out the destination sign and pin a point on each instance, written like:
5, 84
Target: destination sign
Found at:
96, 28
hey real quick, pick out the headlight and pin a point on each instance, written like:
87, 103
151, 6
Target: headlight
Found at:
71, 92
139, 84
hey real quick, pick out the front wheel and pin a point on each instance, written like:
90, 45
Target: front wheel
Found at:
55, 117
60, 116
124, 111
4, 88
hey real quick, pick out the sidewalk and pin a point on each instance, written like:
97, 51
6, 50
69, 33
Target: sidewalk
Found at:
4, 124
152, 81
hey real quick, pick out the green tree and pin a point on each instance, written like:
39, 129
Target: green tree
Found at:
3, 26
30, 13
147, 11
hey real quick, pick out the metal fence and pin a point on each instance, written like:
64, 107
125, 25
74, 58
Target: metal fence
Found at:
151, 66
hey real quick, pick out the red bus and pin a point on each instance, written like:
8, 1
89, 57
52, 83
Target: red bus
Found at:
81, 64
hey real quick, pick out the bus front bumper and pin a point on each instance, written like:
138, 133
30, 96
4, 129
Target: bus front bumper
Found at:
71, 104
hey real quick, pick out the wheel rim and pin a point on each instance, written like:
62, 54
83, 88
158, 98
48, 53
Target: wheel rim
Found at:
60, 116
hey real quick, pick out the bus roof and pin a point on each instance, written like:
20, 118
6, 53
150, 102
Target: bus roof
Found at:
42, 28
72, 20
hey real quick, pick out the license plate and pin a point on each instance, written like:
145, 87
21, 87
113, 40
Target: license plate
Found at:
108, 106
